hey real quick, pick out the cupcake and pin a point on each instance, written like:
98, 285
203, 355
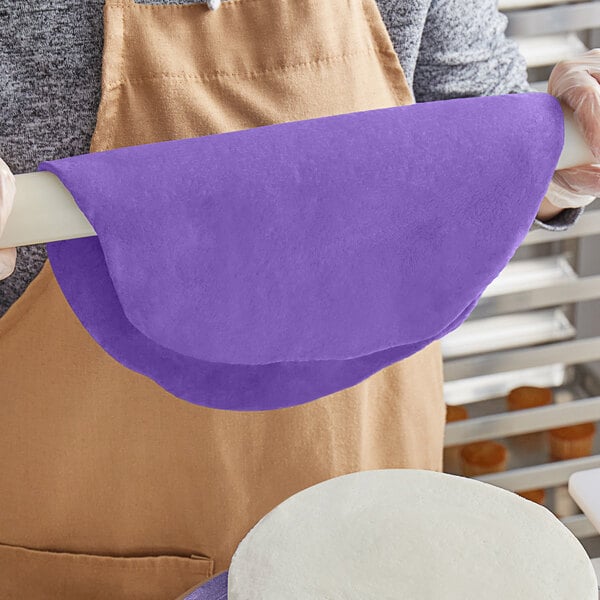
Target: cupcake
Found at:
452, 453
528, 397
480, 458
456, 413
537, 496
574, 441
522, 398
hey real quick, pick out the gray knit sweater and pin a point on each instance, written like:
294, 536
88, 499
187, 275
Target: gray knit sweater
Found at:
50, 68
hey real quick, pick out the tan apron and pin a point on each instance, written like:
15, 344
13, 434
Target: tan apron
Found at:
109, 486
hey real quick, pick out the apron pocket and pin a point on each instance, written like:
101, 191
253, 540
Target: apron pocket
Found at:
43, 575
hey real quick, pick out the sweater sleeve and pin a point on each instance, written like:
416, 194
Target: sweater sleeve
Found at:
464, 52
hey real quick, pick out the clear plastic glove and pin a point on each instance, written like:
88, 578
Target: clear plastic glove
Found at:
7, 195
576, 83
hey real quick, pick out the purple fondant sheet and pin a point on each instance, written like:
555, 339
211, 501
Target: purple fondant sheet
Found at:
214, 589
265, 268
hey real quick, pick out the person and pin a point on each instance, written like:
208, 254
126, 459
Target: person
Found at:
109, 486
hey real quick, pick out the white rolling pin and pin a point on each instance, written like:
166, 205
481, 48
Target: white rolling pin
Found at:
45, 211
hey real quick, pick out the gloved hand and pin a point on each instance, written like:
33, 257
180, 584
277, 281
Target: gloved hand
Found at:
7, 195
576, 82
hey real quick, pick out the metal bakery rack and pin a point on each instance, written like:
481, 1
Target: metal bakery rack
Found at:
538, 323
